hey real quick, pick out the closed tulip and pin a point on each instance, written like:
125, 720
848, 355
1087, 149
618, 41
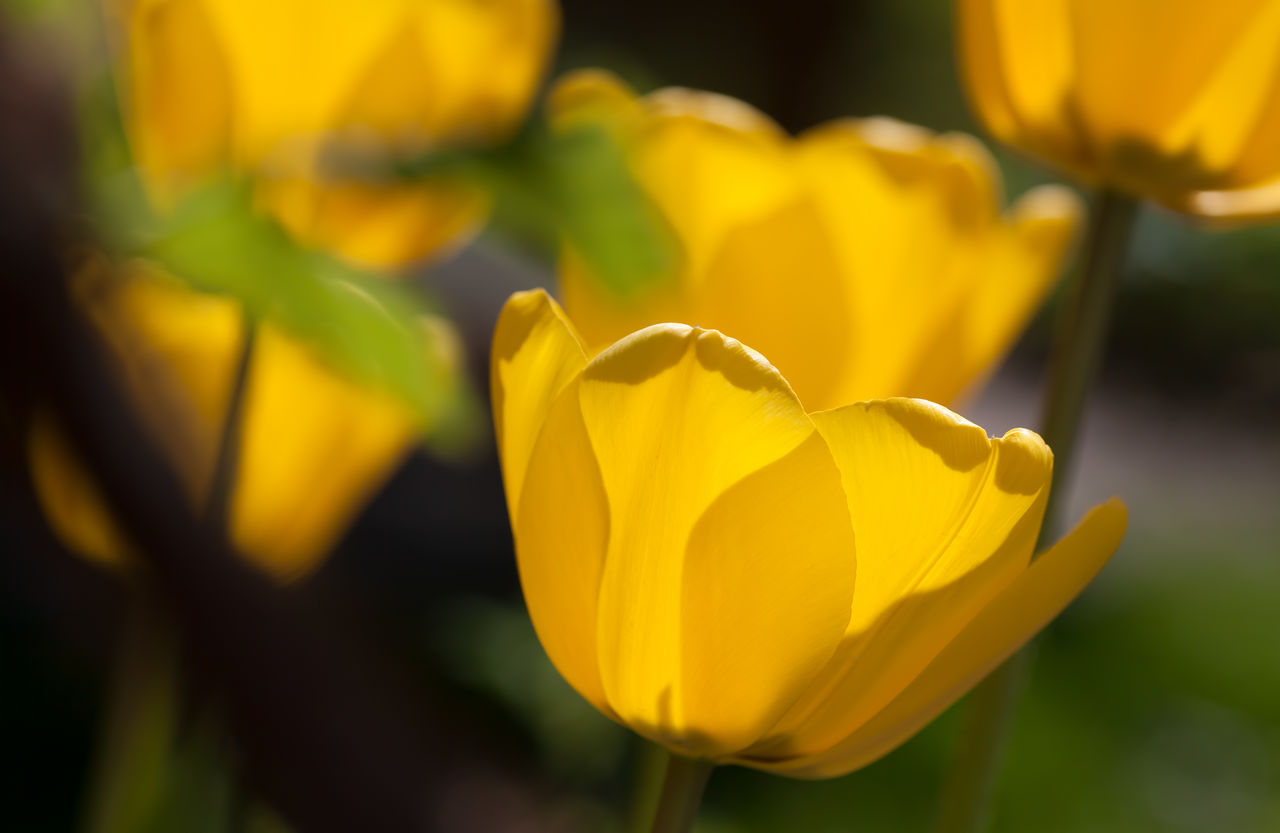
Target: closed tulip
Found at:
745, 582
866, 258
1177, 102
314, 445
265, 89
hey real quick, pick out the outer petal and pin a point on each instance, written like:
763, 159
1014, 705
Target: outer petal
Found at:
536, 352
945, 520
374, 225
723, 502
176, 351
314, 447
314, 444
486, 60
562, 526
268, 88
1260, 203
1003, 626
1020, 67
713, 166
1024, 258
294, 65
910, 215
595, 96
179, 93
1142, 68
70, 499
1236, 108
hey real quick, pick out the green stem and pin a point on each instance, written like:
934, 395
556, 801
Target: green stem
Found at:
1079, 342
135, 752
682, 787
1081, 336
222, 481
650, 767
138, 728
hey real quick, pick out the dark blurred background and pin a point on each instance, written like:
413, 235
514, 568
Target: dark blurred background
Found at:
1155, 704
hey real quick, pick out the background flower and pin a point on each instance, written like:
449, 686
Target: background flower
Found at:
283, 92
866, 258
313, 444
1178, 102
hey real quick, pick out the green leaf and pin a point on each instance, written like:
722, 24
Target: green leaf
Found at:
570, 186
372, 329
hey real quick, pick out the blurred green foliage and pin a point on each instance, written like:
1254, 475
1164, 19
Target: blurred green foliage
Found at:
566, 187
372, 328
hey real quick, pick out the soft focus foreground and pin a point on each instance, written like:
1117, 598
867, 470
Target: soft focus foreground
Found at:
1153, 705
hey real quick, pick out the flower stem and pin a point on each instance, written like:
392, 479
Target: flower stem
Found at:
136, 748
1081, 336
682, 787
1079, 340
222, 482
138, 727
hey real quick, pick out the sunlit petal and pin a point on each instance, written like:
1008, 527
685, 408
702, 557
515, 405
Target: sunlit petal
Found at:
723, 499
945, 519
535, 354
1003, 626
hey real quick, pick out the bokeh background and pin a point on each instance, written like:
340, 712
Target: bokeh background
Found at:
1155, 704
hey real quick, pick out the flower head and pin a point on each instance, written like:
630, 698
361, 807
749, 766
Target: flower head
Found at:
865, 258
1177, 101
743, 581
266, 88
313, 444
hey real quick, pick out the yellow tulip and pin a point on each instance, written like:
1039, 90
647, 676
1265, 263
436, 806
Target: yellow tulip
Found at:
865, 258
313, 446
266, 88
1176, 101
745, 582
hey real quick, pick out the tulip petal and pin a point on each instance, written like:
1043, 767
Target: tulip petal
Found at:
1024, 259
945, 519
293, 66
1000, 629
1140, 66
561, 524
486, 60
1019, 60
375, 226
724, 504
176, 351
911, 216
314, 445
70, 498
1221, 119
179, 99
712, 165
536, 352
594, 96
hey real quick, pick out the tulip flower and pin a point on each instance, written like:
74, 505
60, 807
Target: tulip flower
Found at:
866, 258
313, 444
1176, 102
267, 89
745, 582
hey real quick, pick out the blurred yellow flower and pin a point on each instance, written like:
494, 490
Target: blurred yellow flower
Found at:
266, 88
865, 258
313, 445
1175, 101
743, 581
